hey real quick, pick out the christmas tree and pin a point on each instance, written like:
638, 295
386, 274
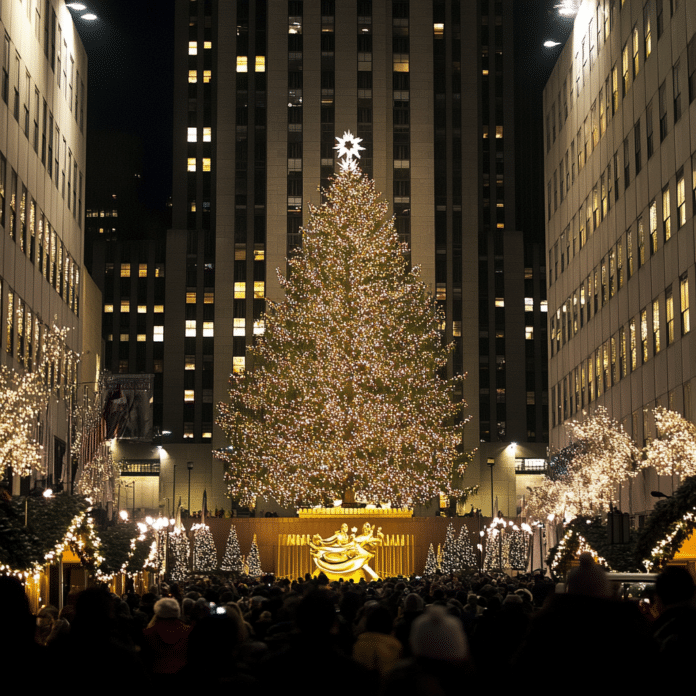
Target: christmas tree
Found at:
204, 553
232, 560
449, 551
430, 562
466, 556
519, 541
345, 392
179, 548
254, 560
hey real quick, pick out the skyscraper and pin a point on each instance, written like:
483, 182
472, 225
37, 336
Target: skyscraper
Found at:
261, 91
42, 168
620, 179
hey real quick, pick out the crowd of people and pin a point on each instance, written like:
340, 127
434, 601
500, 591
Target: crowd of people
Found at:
434, 635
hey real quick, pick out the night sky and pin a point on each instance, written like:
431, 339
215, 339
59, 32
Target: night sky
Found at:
130, 50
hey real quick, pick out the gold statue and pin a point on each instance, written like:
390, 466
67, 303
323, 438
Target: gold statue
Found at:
345, 555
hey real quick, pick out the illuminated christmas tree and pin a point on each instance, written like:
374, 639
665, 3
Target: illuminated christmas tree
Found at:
204, 553
466, 556
430, 562
449, 551
254, 560
179, 549
343, 391
232, 560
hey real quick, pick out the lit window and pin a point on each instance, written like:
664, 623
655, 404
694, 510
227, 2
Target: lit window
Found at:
142, 270
669, 314
193, 76
190, 363
192, 135
206, 164
259, 327
441, 291
666, 217
191, 164
259, 254
125, 305
188, 431
188, 394
544, 306
681, 200
108, 308
238, 364
207, 134
209, 298
529, 333
208, 329
259, 289
401, 62
260, 64
190, 328
208, 45
456, 328
242, 64
159, 270
239, 327
684, 300
239, 291
142, 309
193, 49
192, 206
141, 338
498, 132
206, 75
528, 304
158, 334
500, 302
159, 309
124, 338
125, 270
190, 298
438, 29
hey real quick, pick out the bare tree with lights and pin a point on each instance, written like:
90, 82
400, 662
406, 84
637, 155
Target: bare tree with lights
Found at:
25, 397
345, 391
602, 458
673, 451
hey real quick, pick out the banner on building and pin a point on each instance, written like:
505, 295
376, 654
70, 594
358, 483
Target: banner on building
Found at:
127, 407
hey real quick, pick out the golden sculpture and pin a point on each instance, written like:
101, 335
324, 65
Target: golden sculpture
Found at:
345, 555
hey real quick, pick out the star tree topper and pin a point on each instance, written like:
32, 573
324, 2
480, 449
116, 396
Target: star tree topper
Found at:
349, 148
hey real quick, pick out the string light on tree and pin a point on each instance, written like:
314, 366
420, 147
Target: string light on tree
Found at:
232, 560
254, 560
204, 553
345, 392
466, 556
449, 551
430, 562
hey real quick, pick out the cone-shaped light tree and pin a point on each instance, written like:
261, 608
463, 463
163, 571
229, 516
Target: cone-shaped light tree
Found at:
346, 392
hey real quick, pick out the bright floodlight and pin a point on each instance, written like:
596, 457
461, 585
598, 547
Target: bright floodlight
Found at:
89, 16
568, 8
551, 44
77, 6
48, 493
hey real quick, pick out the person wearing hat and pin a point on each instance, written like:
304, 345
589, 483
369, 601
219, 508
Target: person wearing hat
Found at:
167, 639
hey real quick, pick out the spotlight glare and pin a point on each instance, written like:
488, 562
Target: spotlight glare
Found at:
89, 16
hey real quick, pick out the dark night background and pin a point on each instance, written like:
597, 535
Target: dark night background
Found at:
131, 47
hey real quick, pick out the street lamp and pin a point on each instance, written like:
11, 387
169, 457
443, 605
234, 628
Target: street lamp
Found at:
189, 466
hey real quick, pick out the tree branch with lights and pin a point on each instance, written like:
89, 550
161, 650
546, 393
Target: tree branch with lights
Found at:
345, 391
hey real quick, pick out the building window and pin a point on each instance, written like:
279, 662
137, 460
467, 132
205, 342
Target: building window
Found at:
636, 142
691, 58
660, 19
677, 92
206, 164
142, 309
669, 314
634, 344
125, 270
647, 31
636, 58
684, 304
189, 395
190, 328
625, 70
653, 227
191, 166
681, 199
615, 89
666, 216
644, 334
629, 251
627, 164
649, 128
656, 326
641, 242
662, 103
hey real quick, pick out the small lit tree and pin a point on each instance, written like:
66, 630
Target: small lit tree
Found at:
254, 560
232, 561
673, 451
466, 556
204, 553
430, 562
449, 551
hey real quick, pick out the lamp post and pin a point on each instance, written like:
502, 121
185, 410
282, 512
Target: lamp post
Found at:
491, 463
189, 466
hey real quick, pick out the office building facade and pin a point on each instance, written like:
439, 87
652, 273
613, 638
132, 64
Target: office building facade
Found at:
262, 89
42, 169
620, 130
